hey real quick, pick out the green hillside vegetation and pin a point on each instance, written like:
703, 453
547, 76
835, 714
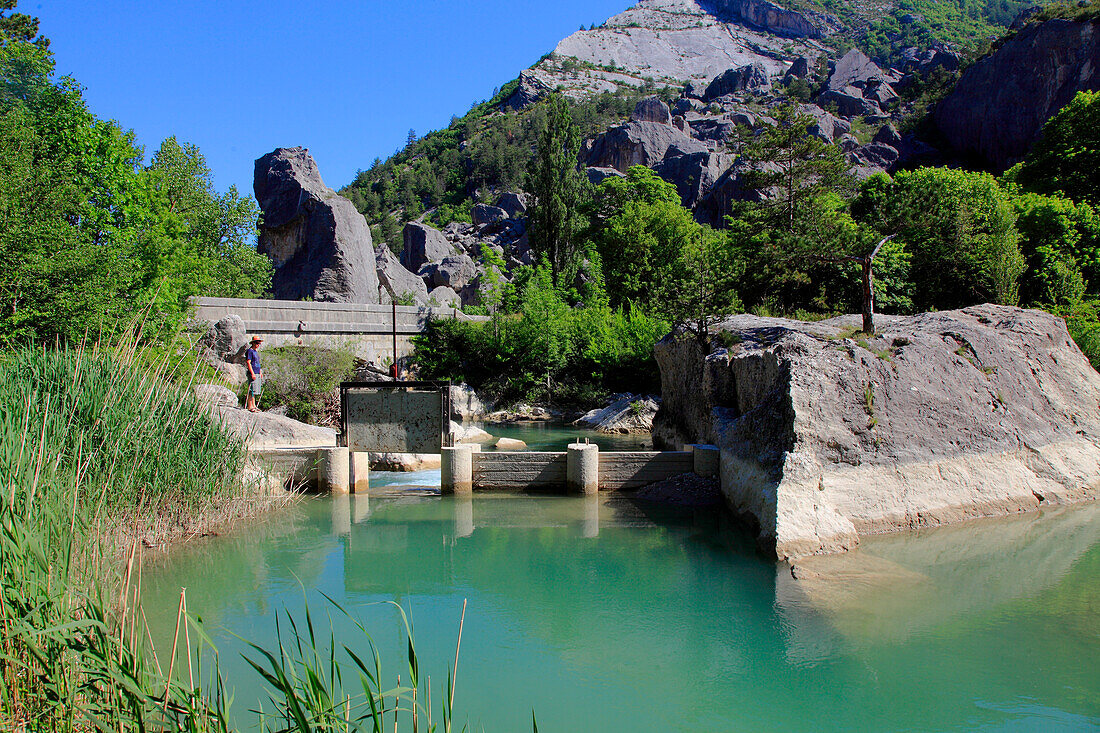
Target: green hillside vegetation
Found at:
486, 150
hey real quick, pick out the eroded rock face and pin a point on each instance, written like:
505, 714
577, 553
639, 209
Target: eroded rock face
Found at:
941, 417
771, 17
1001, 103
651, 109
320, 244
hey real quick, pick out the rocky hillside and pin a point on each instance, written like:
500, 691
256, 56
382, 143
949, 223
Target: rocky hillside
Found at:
867, 71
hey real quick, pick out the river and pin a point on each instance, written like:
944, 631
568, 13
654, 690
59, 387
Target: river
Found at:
607, 614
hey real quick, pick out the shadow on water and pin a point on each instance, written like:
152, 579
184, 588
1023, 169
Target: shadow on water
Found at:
603, 613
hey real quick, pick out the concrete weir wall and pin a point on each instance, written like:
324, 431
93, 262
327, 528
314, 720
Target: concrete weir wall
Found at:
582, 469
368, 328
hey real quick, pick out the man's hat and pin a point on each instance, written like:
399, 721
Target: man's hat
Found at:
257, 340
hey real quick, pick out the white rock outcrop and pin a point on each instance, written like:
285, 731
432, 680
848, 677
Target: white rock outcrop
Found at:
827, 435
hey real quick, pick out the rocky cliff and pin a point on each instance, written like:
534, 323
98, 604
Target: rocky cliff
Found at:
1001, 103
673, 41
826, 436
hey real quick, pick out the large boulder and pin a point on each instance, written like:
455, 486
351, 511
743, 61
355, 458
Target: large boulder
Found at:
940, 417
640, 143
267, 430
849, 102
484, 214
514, 204
226, 339
749, 76
223, 346
1000, 104
465, 404
693, 175
423, 244
397, 282
854, 69
651, 109
626, 414
319, 243
444, 297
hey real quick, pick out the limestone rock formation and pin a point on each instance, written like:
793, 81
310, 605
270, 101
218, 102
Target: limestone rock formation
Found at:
1001, 102
775, 19
223, 346
465, 403
423, 244
266, 430
651, 109
484, 214
515, 204
397, 282
320, 244
941, 417
444, 297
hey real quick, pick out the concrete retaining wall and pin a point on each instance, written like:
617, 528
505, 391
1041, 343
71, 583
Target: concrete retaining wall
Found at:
368, 328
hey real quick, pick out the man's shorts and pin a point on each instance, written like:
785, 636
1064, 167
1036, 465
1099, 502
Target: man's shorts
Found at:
256, 386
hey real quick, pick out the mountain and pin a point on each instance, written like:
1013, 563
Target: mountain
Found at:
677, 85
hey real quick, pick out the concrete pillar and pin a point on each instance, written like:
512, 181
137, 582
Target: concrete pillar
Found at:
464, 515
706, 459
334, 470
582, 468
590, 525
360, 472
457, 470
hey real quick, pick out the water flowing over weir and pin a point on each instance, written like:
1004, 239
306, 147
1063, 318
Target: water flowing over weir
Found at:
606, 613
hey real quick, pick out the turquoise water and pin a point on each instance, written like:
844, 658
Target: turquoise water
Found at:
609, 615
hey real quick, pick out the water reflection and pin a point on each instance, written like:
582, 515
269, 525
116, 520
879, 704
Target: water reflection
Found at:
645, 618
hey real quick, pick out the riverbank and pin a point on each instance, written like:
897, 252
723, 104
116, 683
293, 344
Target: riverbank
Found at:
104, 452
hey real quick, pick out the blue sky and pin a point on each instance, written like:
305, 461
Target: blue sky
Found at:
345, 79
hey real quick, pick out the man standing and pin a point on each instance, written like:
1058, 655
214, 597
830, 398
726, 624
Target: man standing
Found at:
255, 374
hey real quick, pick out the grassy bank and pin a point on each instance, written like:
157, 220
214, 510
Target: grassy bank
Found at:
102, 449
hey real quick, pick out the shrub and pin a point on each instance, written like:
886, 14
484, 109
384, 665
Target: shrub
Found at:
307, 379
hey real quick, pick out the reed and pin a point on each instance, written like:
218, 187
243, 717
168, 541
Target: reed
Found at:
97, 446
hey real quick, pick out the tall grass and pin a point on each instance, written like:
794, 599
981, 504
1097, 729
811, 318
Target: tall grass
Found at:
94, 442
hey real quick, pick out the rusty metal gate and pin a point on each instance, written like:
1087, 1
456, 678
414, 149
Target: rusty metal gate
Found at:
396, 417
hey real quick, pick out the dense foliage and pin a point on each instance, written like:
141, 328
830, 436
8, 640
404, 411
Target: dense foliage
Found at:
91, 238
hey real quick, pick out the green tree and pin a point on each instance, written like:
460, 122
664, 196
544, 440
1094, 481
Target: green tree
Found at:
1066, 159
1060, 240
640, 228
798, 242
556, 188
959, 227
699, 288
